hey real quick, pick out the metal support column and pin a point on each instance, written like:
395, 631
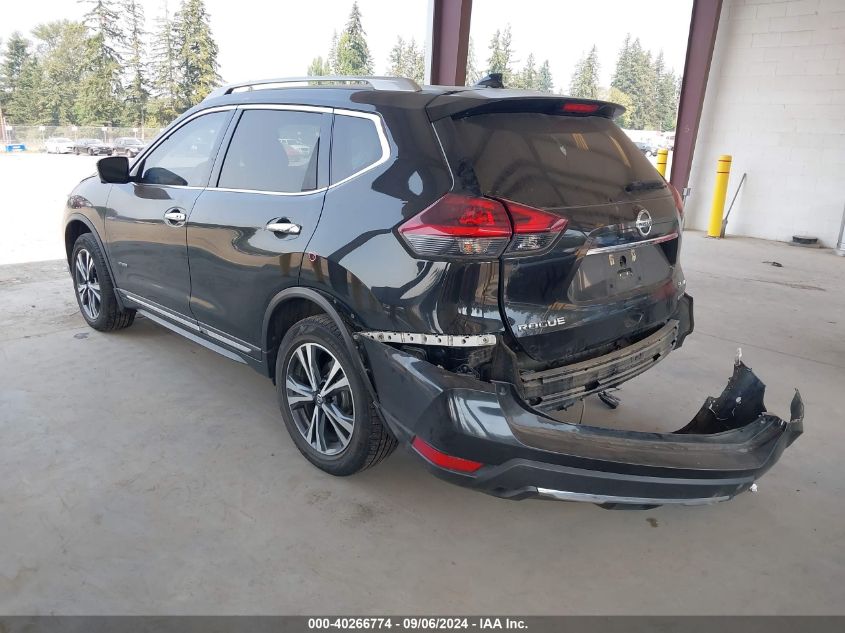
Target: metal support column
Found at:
704, 24
447, 43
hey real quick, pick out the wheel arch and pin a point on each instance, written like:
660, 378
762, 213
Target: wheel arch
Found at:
294, 304
77, 224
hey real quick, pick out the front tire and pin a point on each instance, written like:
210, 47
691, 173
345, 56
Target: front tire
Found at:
324, 402
95, 288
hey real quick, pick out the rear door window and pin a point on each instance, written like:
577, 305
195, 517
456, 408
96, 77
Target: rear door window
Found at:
273, 150
356, 145
547, 161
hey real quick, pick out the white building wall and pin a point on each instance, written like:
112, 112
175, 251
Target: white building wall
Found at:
775, 101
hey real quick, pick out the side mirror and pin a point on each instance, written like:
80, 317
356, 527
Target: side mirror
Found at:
114, 169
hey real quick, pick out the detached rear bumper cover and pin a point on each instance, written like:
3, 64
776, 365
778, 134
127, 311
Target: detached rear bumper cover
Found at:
731, 442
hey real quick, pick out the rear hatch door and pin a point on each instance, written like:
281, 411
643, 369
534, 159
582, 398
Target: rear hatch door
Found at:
611, 273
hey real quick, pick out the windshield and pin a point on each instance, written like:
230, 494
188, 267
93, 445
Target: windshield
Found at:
547, 161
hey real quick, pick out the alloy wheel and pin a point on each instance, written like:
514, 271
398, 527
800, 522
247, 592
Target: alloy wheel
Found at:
87, 284
320, 398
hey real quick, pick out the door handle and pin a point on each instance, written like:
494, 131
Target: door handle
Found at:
175, 217
281, 226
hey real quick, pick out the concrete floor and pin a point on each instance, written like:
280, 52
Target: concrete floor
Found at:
140, 473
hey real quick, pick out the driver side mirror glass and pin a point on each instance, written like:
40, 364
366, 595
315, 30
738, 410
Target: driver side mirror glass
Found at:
114, 169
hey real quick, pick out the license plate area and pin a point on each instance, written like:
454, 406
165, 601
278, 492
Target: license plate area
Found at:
617, 272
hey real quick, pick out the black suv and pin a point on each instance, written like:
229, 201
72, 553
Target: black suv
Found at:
128, 146
444, 267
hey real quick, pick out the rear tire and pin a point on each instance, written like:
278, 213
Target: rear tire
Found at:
94, 287
324, 402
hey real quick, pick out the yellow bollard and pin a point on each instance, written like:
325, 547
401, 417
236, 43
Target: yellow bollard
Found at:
662, 157
720, 191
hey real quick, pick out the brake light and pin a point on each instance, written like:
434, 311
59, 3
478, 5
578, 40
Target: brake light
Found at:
580, 108
459, 225
679, 200
443, 460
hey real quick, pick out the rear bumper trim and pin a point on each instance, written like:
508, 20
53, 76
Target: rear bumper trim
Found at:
563, 495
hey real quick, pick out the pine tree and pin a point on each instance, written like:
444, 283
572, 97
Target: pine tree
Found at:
62, 47
99, 94
544, 78
165, 70
197, 53
331, 60
137, 91
407, 60
501, 56
634, 76
15, 57
528, 77
103, 17
318, 68
22, 84
28, 105
472, 76
622, 74
585, 79
353, 53
102, 66
666, 95
396, 61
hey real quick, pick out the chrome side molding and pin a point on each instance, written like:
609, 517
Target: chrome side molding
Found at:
444, 340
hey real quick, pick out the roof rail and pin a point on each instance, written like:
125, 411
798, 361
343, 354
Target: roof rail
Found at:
376, 83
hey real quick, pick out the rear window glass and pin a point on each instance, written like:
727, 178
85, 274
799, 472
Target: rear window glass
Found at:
355, 146
545, 160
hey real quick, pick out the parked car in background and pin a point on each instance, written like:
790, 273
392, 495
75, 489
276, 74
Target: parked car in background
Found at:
297, 151
646, 148
451, 269
59, 145
669, 140
128, 146
92, 147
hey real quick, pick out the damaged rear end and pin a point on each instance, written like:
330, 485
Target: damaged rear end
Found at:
484, 435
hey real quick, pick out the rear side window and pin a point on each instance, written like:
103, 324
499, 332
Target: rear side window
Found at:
273, 150
355, 146
544, 160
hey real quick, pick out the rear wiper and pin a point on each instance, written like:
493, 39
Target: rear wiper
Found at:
643, 185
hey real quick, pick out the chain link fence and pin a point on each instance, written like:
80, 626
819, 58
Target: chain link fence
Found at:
35, 136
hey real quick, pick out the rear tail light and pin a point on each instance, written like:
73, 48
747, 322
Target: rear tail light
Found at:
443, 460
459, 226
679, 200
534, 230
482, 228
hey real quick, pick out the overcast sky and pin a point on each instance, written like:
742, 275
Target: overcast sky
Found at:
277, 38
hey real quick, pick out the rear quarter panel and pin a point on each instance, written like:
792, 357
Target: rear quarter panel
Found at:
356, 256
